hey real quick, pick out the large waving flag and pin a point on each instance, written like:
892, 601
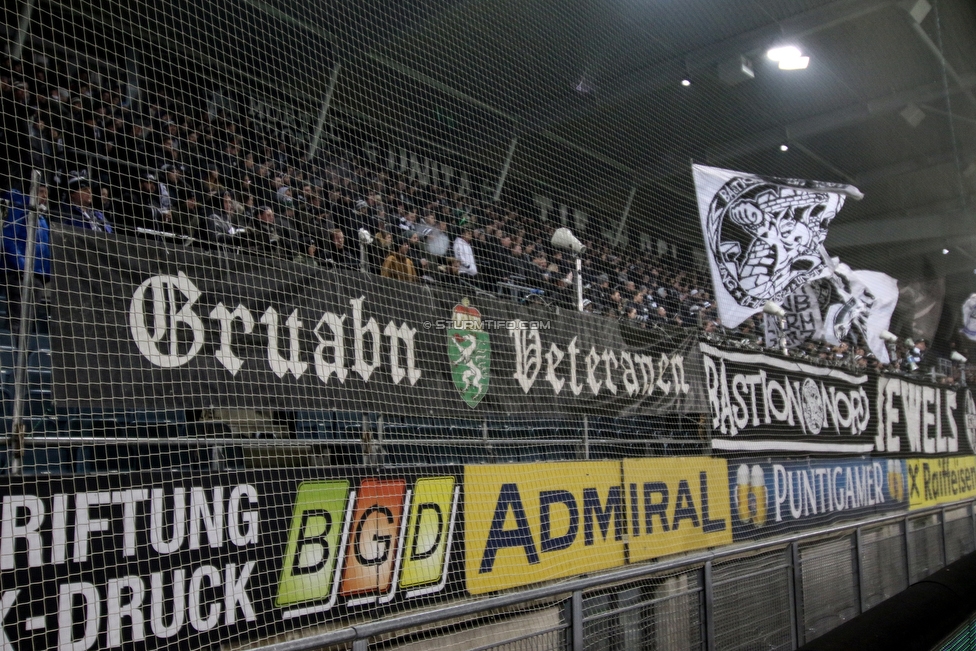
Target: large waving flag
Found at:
764, 236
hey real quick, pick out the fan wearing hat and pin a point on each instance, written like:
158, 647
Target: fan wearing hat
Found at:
152, 213
80, 212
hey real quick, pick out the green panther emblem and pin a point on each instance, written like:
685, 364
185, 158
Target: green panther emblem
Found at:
469, 348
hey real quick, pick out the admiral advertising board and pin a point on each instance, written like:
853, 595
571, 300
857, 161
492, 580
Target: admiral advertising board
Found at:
164, 328
770, 496
146, 561
676, 505
527, 523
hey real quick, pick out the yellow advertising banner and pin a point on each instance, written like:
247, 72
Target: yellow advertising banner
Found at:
428, 532
526, 523
939, 481
676, 505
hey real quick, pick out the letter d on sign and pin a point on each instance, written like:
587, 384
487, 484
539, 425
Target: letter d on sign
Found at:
91, 606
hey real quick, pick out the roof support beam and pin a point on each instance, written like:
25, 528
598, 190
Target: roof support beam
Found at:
669, 72
949, 69
832, 120
944, 221
904, 167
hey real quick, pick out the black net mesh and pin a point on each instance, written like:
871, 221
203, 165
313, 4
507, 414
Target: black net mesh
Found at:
321, 315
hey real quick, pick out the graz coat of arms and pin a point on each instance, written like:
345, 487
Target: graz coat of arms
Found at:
469, 349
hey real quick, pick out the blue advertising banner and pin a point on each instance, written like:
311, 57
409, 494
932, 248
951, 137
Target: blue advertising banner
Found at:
772, 496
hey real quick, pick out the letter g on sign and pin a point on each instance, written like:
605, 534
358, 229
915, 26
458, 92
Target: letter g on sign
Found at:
162, 320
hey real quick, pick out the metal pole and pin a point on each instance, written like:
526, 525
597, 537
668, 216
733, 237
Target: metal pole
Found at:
26, 323
709, 606
313, 146
579, 284
489, 448
362, 255
796, 596
623, 216
586, 441
972, 520
945, 539
378, 452
908, 554
576, 606
367, 440
858, 549
858, 570
505, 167
23, 28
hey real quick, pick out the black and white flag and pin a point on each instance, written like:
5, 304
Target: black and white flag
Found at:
837, 308
764, 236
864, 302
804, 318
969, 317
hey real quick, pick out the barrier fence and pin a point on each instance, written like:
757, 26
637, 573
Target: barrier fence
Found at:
775, 594
296, 351
155, 558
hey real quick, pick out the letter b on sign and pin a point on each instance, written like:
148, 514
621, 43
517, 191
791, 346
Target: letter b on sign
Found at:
313, 550
313, 539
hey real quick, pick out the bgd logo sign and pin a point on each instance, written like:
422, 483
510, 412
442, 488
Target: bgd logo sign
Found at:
364, 545
469, 349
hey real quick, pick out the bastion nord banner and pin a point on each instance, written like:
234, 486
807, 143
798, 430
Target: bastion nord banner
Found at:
765, 403
141, 325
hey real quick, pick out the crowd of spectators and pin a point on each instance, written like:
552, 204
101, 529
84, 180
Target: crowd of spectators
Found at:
160, 167
221, 181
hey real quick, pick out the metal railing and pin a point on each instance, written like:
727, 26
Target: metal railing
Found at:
775, 594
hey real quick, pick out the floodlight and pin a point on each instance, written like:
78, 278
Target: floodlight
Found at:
564, 239
799, 63
784, 147
888, 336
774, 309
783, 53
686, 82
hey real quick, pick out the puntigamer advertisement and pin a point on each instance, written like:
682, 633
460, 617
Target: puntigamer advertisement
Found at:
771, 496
